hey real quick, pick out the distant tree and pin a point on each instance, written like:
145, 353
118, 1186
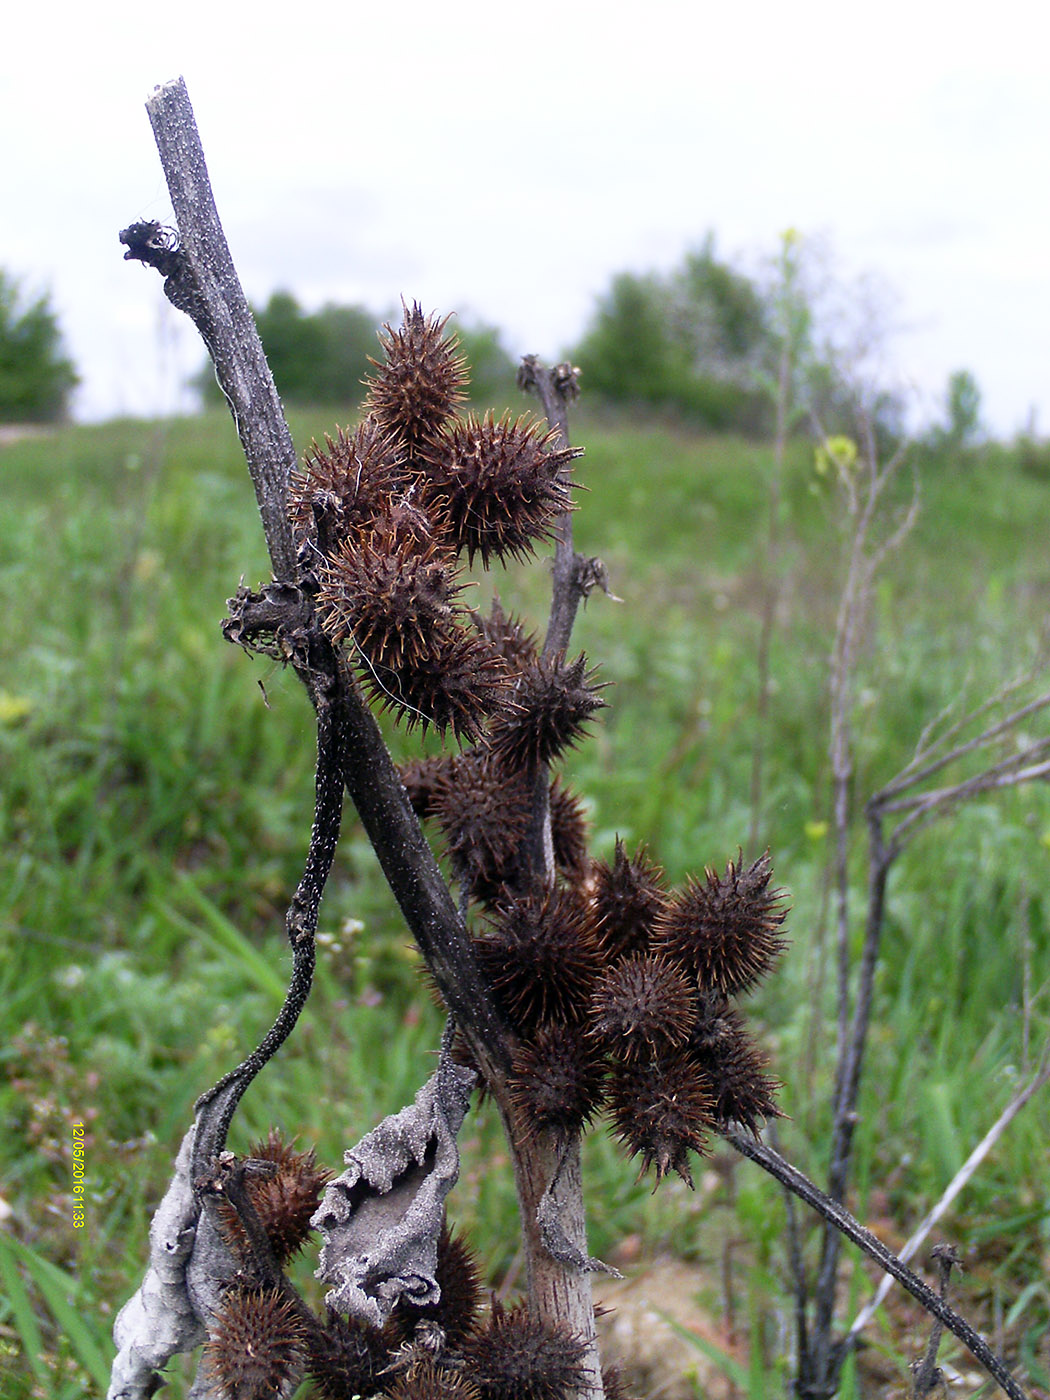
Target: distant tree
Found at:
963, 403
36, 378
719, 315
627, 353
960, 428
317, 358
707, 339
691, 341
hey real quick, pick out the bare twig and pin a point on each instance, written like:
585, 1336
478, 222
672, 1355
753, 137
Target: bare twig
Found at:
207, 288
951, 797
216, 1108
769, 587
548, 1175
865, 557
556, 389
844, 1224
912, 773
957, 1183
927, 1372
913, 809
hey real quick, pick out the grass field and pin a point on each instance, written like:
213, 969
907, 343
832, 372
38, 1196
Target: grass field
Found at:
156, 792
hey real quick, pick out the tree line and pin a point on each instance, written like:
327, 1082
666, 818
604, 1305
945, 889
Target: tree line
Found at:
706, 342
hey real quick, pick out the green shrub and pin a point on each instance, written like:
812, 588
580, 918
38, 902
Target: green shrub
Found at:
36, 379
317, 358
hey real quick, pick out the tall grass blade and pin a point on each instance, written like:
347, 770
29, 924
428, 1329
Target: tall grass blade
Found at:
224, 937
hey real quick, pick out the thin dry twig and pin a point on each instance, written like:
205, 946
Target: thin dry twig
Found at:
929, 745
957, 1184
846, 1226
865, 558
910, 775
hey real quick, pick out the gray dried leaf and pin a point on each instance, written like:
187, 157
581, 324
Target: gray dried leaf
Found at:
381, 1219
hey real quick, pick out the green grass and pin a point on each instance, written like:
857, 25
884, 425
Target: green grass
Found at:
156, 792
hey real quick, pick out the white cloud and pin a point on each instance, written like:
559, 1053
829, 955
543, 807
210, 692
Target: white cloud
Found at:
512, 161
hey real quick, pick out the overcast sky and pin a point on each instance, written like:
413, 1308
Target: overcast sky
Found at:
507, 160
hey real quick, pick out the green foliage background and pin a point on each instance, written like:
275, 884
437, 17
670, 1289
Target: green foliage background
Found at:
156, 796
320, 359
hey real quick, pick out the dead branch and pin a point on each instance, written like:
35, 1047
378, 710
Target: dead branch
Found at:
204, 284
844, 1225
957, 1184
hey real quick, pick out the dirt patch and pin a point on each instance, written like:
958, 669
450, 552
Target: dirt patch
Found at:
14, 432
640, 1332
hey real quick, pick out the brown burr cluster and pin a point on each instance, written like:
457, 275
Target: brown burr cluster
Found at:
383, 516
263, 1341
617, 990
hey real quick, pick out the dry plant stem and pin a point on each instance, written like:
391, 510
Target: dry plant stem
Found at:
865, 558
216, 1108
796, 1264
769, 595
917, 771
920, 809
213, 297
375, 788
849, 1076
537, 854
844, 1224
369, 774
560, 1292
927, 1374
553, 388
923, 808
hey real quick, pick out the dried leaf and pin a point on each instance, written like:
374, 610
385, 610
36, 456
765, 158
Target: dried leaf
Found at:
381, 1220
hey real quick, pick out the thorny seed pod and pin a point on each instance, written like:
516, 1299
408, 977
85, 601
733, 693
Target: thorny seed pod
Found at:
556, 1081
661, 1112
349, 482
432, 1380
394, 603
405, 522
483, 813
456, 687
422, 779
284, 1202
734, 1069
255, 1350
545, 713
455, 1312
519, 1357
540, 960
628, 898
727, 931
642, 1007
506, 634
568, 832
614, 1385
502, 483
346, 1357
422, 381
